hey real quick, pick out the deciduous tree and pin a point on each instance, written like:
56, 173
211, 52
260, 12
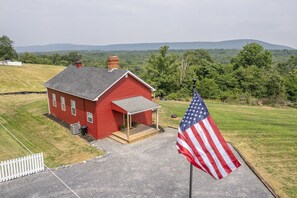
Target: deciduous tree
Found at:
252, 54
7, 52
291, 85
286, 67
160, 72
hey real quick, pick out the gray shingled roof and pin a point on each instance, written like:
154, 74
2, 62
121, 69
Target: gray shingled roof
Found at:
136, 104
84, 82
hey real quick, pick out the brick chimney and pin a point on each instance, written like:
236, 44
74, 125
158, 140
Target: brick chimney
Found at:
78, 64
112, 63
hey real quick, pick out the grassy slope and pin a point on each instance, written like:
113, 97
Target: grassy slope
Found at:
23, 116
266, 136
28, 77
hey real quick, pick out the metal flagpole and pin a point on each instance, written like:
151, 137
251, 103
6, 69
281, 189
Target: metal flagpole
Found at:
191, 165
191, 178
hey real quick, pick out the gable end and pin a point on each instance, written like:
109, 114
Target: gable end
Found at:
134, 76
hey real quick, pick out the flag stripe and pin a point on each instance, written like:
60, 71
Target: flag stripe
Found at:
213, 146
196, 153
222, 147
184, 148
211, 149
200, 153
202, 141
183, 142
230, 159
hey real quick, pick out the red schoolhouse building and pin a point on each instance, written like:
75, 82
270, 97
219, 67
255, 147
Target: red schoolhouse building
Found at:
103, 99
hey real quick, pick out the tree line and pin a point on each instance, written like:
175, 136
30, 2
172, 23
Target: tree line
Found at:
64, 59
7, 52
252, 75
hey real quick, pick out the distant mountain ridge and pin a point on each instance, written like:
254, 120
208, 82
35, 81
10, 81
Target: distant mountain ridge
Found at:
229, 44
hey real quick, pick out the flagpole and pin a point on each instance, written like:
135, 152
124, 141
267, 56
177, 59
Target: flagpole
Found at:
191, 165
191, 178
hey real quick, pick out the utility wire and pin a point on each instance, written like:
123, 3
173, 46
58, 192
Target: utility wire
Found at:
44, 164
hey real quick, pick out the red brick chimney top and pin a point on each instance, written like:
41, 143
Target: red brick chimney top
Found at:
78, 64
112, 63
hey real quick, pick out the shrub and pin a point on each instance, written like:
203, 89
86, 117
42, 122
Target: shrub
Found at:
123, 127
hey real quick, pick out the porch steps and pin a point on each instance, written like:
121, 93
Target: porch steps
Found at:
122, 137
118, 139
142, 135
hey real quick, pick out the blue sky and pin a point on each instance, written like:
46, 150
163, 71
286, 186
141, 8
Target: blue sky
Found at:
101, 22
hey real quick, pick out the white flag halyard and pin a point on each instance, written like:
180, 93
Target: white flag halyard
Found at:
201, 142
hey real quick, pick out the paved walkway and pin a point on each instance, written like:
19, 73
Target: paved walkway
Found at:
149, 168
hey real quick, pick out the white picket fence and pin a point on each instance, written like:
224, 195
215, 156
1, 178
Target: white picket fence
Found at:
19, 167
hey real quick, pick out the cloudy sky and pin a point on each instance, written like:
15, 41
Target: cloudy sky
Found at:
101, 22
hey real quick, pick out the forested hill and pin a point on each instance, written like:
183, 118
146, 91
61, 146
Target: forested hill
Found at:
231, 44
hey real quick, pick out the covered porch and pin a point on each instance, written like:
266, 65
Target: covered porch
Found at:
133, 106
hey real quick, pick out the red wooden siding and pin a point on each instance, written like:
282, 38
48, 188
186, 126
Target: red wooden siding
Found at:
108, 120
82, 106
143, 118
117, 108
90, 106
105, 120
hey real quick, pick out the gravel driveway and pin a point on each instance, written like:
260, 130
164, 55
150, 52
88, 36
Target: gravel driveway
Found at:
149, 168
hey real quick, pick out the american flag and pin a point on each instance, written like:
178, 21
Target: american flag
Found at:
201, 142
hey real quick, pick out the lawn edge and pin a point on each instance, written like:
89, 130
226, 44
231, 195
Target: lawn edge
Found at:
266, 184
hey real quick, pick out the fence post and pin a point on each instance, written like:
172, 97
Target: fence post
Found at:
1, 172
9, 169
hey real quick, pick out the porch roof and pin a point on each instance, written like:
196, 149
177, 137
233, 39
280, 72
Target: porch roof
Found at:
134, 105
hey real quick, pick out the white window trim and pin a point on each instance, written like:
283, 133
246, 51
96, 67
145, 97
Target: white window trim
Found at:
73, 106
90, 115
54, 100
63, 105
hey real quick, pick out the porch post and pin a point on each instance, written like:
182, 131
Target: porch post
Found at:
128, 127
157, 120
124, 119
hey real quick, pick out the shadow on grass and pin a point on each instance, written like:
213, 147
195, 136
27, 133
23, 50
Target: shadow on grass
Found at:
86, 137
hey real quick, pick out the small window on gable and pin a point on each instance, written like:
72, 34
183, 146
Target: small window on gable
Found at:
73, 107
63, 106
89, 117
54, 100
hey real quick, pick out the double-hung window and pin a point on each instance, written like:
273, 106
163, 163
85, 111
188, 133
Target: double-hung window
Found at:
54, 100
73, 107
89, 117
63, 106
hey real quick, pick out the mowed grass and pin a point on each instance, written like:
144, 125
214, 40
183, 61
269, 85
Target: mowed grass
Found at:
24, 116
266, 136
28, 77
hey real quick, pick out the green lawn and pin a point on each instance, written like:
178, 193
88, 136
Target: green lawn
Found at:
28, 77
24, 116
266, 136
